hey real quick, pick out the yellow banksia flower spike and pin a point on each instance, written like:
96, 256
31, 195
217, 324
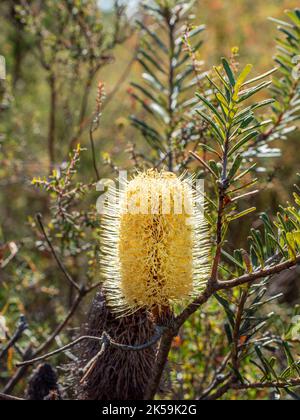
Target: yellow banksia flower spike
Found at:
155, 246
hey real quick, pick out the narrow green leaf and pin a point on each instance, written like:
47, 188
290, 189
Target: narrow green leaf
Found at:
260, 77
229, 72
235, 166
154, 36
242, 214
147, 93
294, 17
243, 174
244, 74
233, 260
230, 314
250, 92
217, 130
227, 87
212, 108
243, 141
154, 62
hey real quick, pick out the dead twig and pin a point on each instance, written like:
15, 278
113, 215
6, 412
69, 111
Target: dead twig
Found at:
22, 326
105, 339
5, 397
39, 219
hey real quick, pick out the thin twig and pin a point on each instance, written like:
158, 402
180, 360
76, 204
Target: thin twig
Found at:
39, 219
5, 397
250, 278
203, 163
105, 338
22, 326
277, 384
218, 379
220, 392
237, 328
120, 82
232, 385
61, 326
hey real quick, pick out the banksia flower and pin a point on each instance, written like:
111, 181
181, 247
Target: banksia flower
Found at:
155, 248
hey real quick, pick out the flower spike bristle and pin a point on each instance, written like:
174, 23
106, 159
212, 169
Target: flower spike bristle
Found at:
155, 246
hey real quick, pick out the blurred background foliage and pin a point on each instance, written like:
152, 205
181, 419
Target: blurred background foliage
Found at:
56, 55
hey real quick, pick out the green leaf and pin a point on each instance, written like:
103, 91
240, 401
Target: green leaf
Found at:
230, 314
250, 92
154, 62
228, 332
147, 130
244, 74
244, 173
214, 167
212, 108
229, 72
217, 130
227, 87
293, 16
243, 141
196, 31
154, 37
290, 358
242, 214
235, 166
260, 77
290, 34
210, 149
147, 93
268, 369
233, 260
280, 22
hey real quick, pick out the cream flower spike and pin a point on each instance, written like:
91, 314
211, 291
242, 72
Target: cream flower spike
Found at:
155, 244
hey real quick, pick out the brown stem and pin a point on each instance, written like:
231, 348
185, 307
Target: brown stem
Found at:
52, 121
220, 392
15, 338
56, 257
94, 158
236, 332
164, 350
250, 278
289, 383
